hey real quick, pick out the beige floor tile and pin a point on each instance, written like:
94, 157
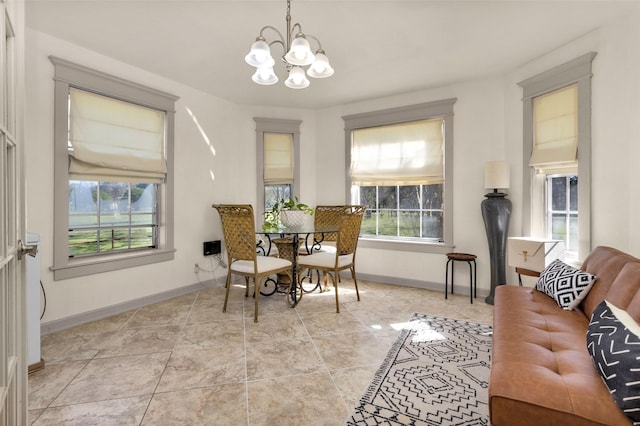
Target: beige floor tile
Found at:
111, 378
212, 311
306, 365
381, 320
276, 304
211, 334
353, 382
274, 327
160, 314
350, 350
288, 357
322, 323
45, 385
216, 405
115, 412
72, 346
197, 368
32, 415
112, 323
141, 340
306, 399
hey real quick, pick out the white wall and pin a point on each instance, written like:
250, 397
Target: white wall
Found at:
615, 128
478, 137
487, 126
214, 163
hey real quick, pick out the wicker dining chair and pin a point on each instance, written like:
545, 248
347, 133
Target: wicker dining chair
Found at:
323, 217
326, 216
239, 231
345, 255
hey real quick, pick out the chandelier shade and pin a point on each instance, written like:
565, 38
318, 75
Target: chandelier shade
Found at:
265, 76
297, 79
320, 67
300, 52
297, 54
260, 55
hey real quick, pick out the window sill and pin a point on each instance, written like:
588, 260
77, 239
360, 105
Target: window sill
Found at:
400, 245
96, 265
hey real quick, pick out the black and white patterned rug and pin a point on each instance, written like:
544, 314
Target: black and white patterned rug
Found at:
436, 373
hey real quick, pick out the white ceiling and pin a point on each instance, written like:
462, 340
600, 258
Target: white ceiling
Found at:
376, 47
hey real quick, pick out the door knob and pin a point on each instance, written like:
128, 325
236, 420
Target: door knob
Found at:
23, 249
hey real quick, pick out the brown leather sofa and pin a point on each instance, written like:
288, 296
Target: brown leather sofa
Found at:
541, 371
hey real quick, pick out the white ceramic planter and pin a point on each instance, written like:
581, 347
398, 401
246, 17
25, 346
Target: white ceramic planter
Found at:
293, 218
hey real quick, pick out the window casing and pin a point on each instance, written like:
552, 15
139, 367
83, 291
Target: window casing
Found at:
538, 187
413, 213
127, 222
278, 174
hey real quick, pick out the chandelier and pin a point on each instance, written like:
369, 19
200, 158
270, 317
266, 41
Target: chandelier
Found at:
298, 54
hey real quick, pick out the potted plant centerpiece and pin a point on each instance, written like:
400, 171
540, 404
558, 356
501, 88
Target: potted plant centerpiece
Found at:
291, 213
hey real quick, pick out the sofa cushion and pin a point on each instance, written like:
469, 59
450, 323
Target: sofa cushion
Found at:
624, 292
565, 284
605, 263
614, 344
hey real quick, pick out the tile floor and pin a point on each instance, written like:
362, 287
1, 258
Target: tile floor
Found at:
184, 362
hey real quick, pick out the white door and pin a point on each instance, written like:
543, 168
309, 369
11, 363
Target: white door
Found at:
13, 368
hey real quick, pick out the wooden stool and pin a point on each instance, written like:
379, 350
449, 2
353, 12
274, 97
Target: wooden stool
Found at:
473, 279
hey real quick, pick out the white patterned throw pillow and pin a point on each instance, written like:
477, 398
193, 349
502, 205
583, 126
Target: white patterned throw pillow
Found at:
614, 344
565, 284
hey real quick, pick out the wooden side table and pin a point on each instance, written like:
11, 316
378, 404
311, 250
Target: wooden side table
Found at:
526, 272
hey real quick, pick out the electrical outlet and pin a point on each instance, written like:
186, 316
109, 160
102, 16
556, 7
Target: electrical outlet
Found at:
196, 268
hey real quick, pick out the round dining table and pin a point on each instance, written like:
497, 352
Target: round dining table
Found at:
291, 236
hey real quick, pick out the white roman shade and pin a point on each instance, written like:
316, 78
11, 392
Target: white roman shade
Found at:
399, 154
114, 140
555, 132
278, 158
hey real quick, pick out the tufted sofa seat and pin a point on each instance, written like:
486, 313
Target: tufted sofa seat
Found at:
541, 371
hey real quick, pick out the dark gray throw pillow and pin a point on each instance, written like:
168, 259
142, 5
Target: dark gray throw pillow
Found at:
614, 344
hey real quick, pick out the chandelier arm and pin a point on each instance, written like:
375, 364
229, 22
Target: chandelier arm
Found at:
291, 32
282, 39
280, 42
316, 39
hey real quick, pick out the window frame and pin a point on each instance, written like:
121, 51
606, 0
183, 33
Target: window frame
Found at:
275, 125
577, 71
424, 111
66, 75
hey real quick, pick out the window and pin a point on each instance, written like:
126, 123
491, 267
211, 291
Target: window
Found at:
404, 211
113, 203
278, 159
557, 155
109, 217
562, 210
399, 163
278, 167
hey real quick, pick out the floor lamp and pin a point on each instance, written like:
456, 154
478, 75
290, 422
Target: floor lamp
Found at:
496, 210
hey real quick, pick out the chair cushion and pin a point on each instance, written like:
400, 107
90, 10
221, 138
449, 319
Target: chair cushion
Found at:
265, 264
325, 260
